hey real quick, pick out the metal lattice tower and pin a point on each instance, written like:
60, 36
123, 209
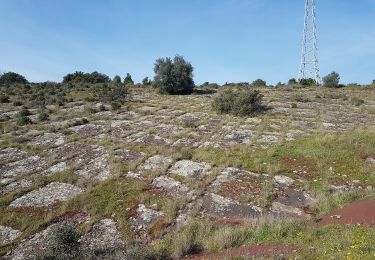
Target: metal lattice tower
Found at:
309, 60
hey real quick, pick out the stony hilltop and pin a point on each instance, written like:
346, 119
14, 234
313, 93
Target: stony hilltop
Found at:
165, 176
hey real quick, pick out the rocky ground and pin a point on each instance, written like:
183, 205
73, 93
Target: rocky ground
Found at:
149, 168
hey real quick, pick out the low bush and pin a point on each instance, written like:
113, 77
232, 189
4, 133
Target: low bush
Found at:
4, 99
18, 103
239, 102
356, 101
259, 83
22, 119
307, 82
64, 244
43, 116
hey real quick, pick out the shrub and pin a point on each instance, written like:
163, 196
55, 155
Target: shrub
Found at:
111, 93
116, 80
357, 101
128, 80
22, 119
11, 78
24, 112
173, 76
17, 103
63, 244
332, 80
43, 116
307, 82
292, 81
81, 77
146, 82
259, 83
4, 99
82, 121
115, 105
238, 102
294, 105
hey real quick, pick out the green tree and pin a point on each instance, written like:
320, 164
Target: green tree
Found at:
81, 77
173, 76
292, 81
116, 79
332, 80
11, 78
146, 81
128, 80
307, 82
259, 83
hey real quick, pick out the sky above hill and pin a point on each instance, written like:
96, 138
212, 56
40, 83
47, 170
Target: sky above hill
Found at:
225, 40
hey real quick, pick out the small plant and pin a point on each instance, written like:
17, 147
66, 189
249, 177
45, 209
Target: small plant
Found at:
17, 103
238, 102
115, 105
24, 112
22, 117
43, 116
102, 108
63, 244
357, 101
78, 122
294, 105
4, 99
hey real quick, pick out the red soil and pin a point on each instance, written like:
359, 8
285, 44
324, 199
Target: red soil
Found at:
267, 251
361, 212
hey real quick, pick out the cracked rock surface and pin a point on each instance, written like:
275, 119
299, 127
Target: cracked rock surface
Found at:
47, 195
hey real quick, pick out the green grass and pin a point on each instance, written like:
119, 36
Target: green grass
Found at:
331, 242
327, 154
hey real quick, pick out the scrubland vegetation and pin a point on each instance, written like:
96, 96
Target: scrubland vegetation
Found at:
124, 152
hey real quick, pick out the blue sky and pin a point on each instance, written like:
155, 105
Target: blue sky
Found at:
225, 40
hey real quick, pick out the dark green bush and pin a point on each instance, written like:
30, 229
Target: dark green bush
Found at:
173, 76
116, 80
81, 77
22, 119
4, 99
146, 82
63, 244
307, 82
332, 80
242, 102
17, 103
24, 112
128, 80
115, 105
292, 81
259, 83
110, 93
82, 121
12, 78
43, 116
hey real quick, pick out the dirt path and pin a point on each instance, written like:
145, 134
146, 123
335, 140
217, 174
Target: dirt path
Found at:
268, 251
361, 212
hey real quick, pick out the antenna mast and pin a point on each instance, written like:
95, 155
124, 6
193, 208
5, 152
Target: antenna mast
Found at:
309, 60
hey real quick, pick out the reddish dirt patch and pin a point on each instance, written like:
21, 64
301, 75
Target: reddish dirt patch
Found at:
268, 251
244, 188
361, 212
302, 168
